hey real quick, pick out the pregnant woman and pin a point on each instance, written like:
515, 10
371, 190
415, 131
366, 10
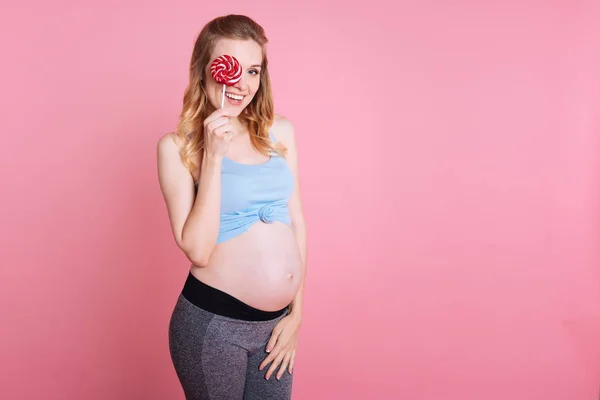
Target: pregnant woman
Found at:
229, 178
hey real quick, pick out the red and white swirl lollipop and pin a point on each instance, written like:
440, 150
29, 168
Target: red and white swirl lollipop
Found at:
227, 71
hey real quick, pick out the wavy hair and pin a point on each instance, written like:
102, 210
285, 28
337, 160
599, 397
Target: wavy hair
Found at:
257, 117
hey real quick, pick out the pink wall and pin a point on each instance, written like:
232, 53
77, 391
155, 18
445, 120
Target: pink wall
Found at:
450, 164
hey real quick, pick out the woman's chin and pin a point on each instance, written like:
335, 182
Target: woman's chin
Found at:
234, 111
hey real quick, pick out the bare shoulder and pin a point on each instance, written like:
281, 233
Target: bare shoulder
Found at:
171, 170
283, 130
168, 142
168, 148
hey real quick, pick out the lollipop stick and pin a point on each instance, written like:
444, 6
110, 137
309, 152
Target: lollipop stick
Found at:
223, 97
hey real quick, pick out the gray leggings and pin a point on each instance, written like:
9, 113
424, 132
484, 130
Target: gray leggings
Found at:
217, 357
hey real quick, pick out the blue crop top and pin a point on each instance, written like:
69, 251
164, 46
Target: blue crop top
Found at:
253, 192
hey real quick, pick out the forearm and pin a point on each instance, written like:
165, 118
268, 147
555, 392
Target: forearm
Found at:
201, 229
299, 228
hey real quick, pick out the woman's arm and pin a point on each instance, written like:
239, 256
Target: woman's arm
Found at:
284, 132
194, 221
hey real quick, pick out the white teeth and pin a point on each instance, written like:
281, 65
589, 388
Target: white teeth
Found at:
234, 96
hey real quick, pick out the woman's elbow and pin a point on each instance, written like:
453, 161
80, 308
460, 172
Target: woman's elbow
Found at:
199, 255
197, 251
199, 261
196, 257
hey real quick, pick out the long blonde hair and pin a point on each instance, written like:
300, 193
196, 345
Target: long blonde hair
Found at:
257, 117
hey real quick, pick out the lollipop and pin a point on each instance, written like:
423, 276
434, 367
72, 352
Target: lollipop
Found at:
227, 71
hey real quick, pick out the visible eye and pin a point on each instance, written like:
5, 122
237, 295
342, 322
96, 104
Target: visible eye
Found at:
253, 72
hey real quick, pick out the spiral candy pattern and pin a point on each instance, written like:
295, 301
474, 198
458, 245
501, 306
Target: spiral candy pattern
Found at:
226, 70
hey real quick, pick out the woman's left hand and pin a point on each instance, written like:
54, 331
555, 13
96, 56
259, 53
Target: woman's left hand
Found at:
282, 346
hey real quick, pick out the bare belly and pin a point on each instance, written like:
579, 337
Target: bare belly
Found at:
260, 267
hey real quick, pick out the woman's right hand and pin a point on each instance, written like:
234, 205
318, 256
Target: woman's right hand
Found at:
217, 133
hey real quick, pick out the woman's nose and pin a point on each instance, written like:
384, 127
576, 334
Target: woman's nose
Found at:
242, 84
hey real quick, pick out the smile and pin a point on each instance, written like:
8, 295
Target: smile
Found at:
234, 96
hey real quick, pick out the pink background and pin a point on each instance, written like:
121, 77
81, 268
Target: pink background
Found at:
449, 153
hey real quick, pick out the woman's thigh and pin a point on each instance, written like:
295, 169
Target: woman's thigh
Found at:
208, 365
258, 387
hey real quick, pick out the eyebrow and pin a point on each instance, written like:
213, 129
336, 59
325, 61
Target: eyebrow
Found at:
256, 65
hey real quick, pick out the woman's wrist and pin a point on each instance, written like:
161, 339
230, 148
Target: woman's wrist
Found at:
295, 312
210, 158
211, 163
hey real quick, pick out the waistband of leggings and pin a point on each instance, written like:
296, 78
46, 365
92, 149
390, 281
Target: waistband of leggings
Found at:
218, 302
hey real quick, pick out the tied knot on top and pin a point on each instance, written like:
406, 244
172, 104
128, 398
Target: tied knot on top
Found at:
266, 213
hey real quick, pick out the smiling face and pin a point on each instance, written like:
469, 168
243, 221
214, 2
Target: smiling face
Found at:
238, 96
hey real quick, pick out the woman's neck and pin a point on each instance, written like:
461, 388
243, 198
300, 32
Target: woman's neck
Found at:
238, 126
